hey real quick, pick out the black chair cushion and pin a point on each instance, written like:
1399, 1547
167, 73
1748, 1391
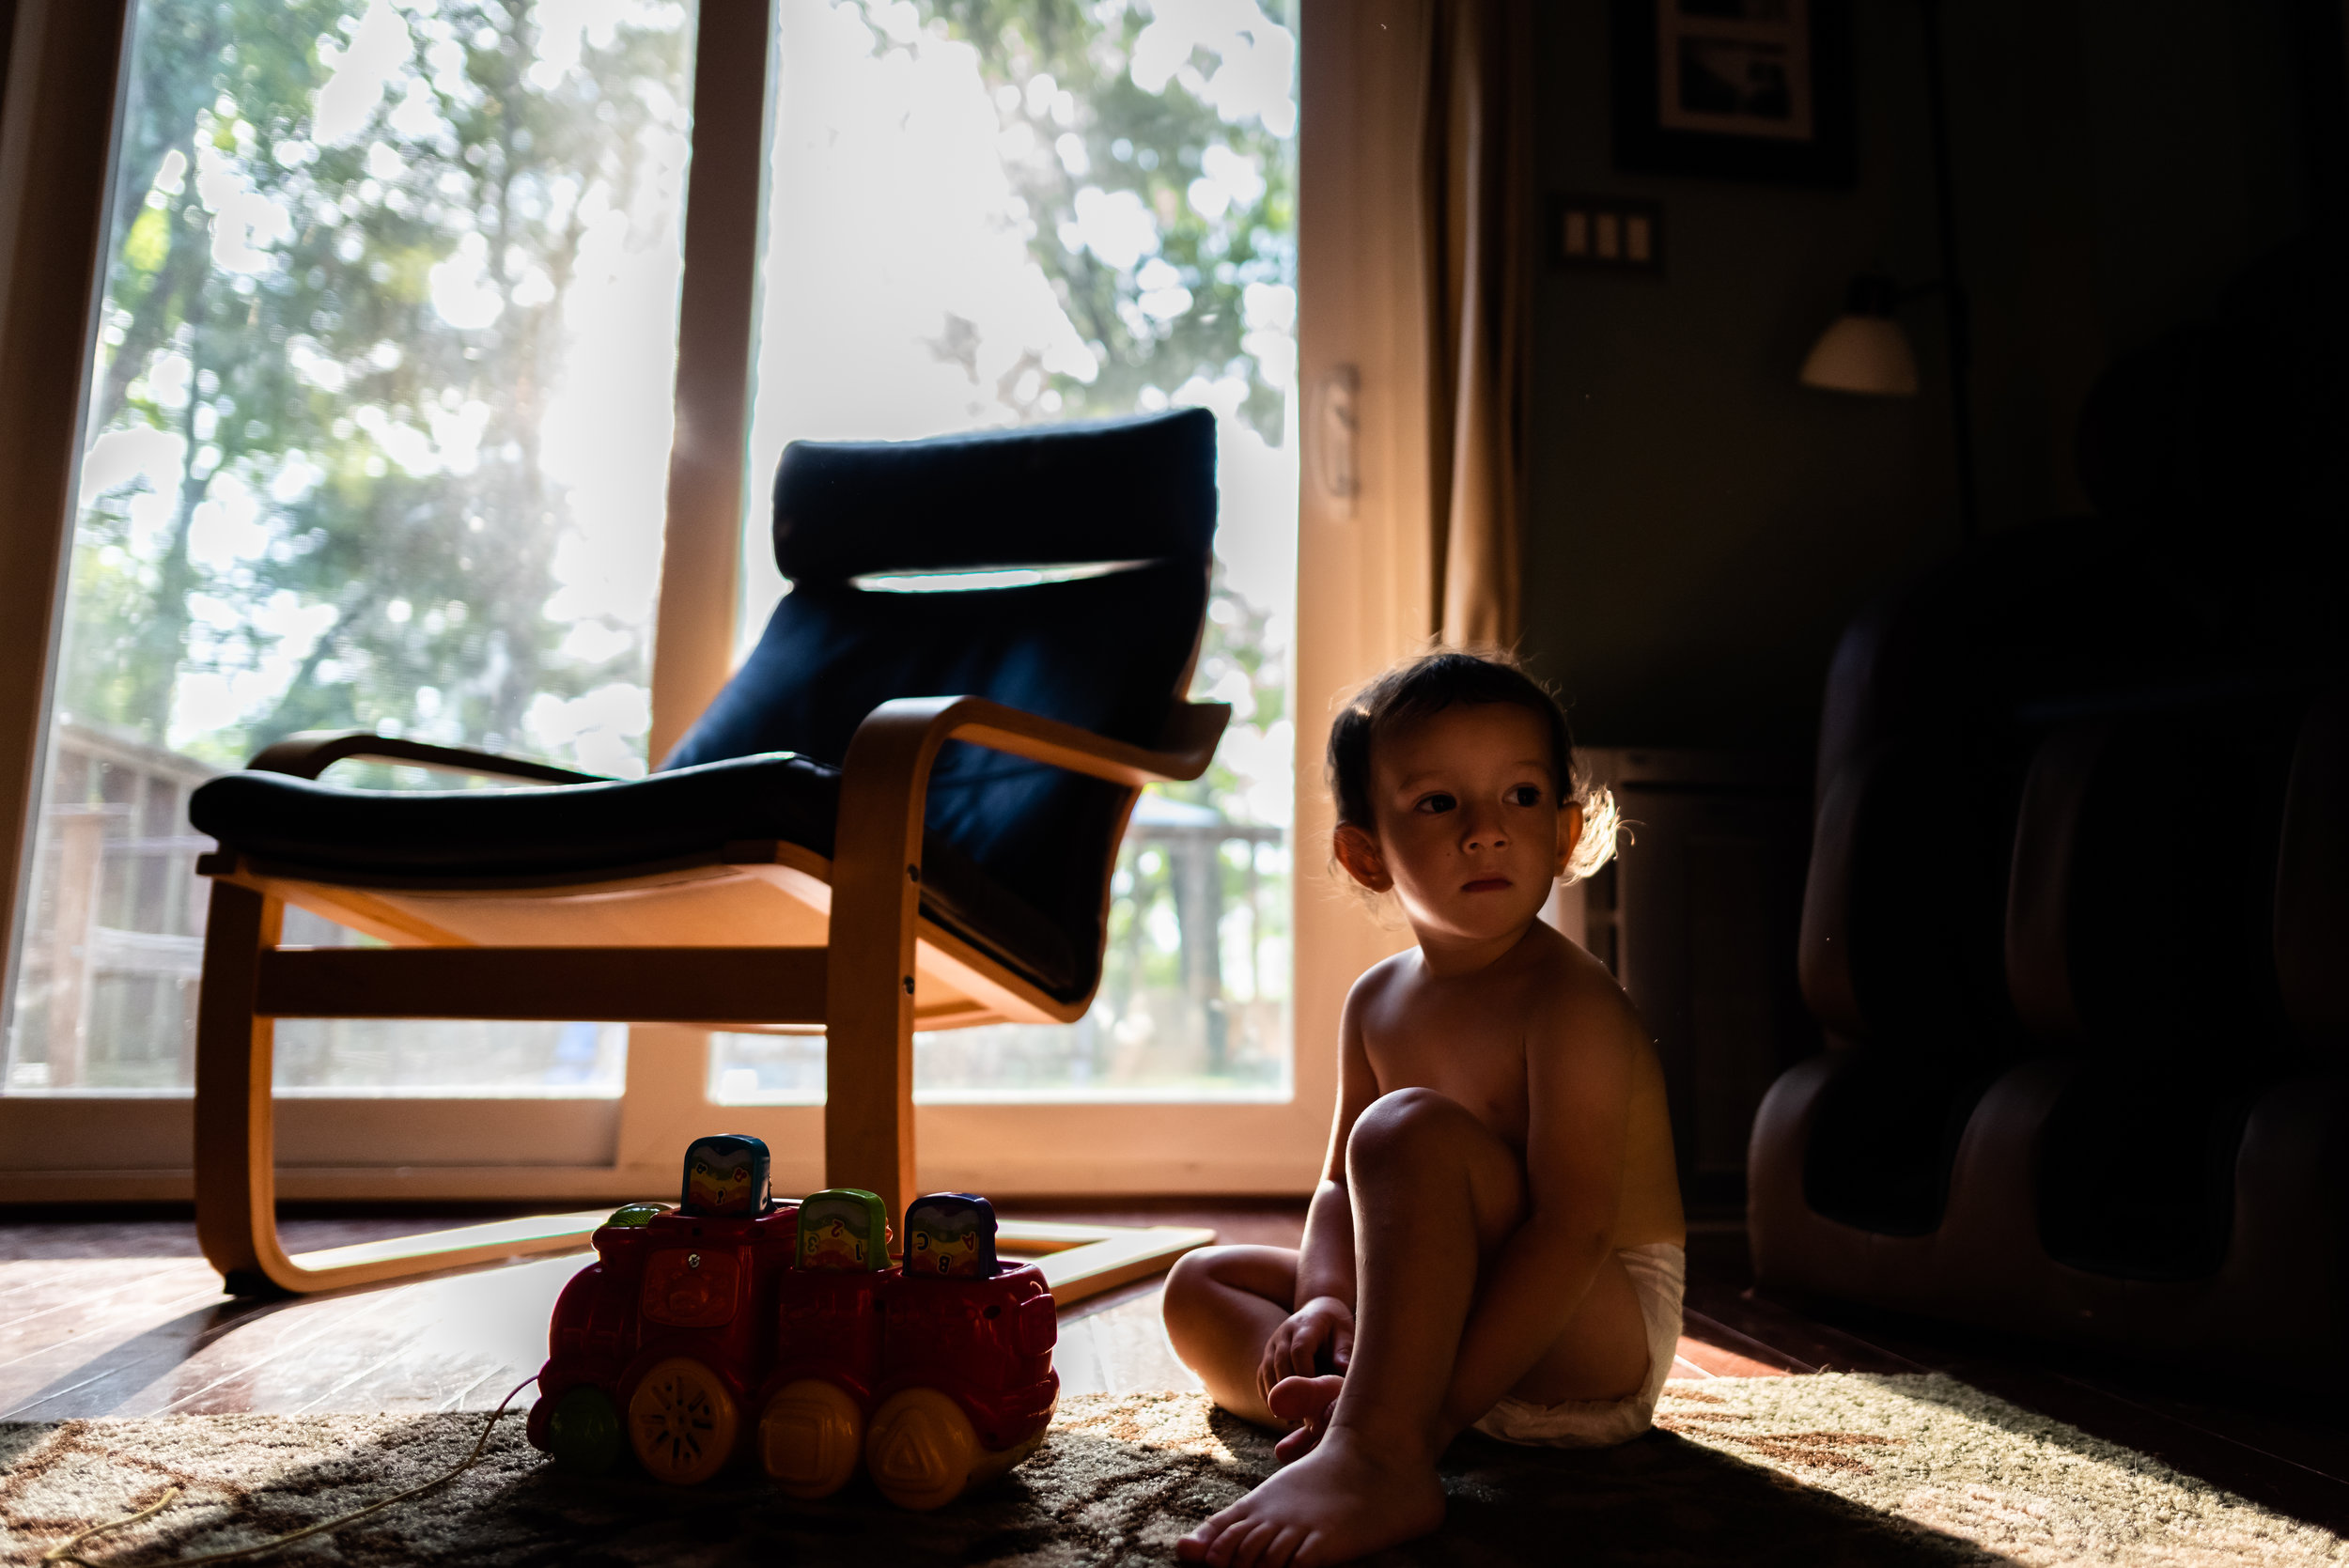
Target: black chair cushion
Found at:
1101, 654
1137, 488
571, 830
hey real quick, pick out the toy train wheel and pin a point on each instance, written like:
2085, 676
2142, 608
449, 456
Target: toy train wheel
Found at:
810, 1437
583, 1433
682, 1422
921, 1448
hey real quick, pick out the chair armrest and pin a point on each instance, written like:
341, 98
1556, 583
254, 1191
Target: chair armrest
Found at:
313, 751
1191, 734
885, 777
1184, 748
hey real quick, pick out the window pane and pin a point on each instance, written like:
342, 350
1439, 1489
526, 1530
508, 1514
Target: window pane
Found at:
991, 212
381, 422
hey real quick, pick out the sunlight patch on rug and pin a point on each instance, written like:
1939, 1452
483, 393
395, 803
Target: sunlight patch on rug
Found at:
1833, 1468
1950, 1458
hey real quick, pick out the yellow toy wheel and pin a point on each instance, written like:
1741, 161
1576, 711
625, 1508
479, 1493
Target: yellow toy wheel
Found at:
921, 1448
682, 1422
810, 1437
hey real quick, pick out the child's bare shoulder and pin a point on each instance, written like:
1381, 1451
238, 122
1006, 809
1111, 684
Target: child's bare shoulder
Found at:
1574, 999
1381, 978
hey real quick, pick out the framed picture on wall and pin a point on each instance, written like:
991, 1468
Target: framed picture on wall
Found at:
1734, 90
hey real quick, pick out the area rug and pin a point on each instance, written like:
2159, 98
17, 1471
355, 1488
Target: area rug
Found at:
1823, 1470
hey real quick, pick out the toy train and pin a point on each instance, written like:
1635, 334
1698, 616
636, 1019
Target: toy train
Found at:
733, 1326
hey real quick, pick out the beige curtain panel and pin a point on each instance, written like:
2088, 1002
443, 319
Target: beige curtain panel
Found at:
1478, 231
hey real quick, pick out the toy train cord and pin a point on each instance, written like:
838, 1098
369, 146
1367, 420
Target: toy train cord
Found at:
734, 1325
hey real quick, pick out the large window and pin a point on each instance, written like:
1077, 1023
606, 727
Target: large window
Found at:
381, 421
379, 436
989, 212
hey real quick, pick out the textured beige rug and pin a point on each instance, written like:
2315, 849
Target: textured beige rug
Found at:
1825, 1470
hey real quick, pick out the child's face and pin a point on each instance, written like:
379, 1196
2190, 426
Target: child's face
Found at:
1471, 831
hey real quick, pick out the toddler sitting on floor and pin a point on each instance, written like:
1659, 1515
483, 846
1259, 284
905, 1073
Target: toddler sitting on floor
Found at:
1497, 1238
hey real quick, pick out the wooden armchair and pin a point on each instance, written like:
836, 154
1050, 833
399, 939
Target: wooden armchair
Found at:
832, 844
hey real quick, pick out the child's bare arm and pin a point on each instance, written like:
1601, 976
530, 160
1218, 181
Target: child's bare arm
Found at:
1322, 1320
1325, 1263
1578, 1070
1323, 1309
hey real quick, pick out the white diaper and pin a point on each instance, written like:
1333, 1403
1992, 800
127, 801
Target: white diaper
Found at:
1659, 1272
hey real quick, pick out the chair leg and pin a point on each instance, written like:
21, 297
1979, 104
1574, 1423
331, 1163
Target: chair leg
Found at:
235, 1154
868, 1025
236, 1175
868, 1072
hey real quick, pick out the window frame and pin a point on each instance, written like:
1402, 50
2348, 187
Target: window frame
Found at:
1363, 592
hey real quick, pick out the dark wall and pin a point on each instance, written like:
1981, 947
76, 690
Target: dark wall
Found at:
1700, 526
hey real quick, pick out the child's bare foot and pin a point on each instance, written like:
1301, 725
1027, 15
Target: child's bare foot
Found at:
1345, 1499
1306, 1401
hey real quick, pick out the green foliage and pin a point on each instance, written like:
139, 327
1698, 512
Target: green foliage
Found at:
1153, 145
271, 305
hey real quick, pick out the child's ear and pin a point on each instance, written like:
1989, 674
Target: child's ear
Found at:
1569, 833
1359, 853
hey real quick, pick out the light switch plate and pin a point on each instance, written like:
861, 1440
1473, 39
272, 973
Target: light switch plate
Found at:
1612, 234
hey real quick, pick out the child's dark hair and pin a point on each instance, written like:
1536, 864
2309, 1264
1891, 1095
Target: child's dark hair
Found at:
1425, 686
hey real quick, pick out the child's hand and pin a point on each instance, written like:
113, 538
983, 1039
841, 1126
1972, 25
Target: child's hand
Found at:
1318, 1339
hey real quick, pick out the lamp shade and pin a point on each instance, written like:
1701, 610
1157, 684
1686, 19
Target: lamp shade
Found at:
1864, 351
1866, 354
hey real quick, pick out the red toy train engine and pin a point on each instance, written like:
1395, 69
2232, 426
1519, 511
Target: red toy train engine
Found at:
735, 1324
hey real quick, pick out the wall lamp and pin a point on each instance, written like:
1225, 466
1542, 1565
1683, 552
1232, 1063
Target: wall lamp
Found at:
1864, 351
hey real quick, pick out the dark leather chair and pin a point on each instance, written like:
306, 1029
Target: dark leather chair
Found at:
901, 811
2075, 922
2158, 1162
1924, 753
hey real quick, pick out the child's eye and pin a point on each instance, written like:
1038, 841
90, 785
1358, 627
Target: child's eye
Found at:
1526, 795
1434, 804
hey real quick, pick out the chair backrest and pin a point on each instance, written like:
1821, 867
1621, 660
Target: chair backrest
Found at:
2140, 922
2312, 884
1924, 744
1109, 651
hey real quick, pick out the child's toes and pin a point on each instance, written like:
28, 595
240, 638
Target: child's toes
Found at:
1249, 1552
1195, 1546
1305, 1399
1281, 1550
1223, 1551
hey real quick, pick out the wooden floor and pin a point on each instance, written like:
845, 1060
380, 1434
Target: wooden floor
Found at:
121, 1316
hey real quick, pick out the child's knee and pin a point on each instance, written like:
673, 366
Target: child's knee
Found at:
1192, 1284
1190, 1277
1208, 1282
1408, 1119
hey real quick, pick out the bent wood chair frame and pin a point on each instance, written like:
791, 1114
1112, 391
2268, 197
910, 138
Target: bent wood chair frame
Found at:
848, 950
